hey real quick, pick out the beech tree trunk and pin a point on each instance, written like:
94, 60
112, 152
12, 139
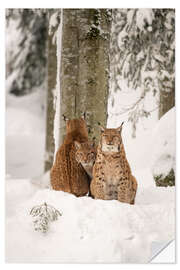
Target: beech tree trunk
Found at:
50, 111
84, 75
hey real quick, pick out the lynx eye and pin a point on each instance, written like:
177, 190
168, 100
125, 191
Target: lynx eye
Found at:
79, 155
116, 139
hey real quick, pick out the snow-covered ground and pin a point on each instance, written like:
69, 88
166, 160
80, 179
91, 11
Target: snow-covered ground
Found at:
89, 231
92, 231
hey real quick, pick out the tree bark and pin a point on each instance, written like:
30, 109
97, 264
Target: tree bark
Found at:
166, 102
84, 72
52, 68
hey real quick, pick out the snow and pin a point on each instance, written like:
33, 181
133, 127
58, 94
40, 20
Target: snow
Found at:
25, 138
163, 145
89, 231
53, 21
57, 117
144, 15
92, 231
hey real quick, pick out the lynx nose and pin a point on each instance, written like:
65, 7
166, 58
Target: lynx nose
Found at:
110, 143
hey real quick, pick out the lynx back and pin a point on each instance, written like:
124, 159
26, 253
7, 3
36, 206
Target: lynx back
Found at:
67, 174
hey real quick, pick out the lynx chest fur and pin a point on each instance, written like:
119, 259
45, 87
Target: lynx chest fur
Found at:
67, 174
112, 178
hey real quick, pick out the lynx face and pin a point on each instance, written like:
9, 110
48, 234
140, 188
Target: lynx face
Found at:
85, 153
111, 139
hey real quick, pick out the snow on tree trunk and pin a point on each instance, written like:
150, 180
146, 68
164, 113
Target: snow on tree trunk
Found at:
166, 102
84, 73
52, 69
163, 156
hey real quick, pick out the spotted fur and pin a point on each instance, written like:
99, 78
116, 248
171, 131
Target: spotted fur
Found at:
112, 177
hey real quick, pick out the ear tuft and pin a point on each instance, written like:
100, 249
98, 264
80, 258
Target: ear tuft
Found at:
92, 144
119, 129
102, 128
65, 118
83, 116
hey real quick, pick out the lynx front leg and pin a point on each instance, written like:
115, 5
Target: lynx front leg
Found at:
97, 189
124, 194
134, 188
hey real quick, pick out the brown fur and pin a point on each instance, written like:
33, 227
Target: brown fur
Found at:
112, 177
66, 174
85, 155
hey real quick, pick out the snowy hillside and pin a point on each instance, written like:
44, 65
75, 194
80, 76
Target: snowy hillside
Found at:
163, 144
91, 231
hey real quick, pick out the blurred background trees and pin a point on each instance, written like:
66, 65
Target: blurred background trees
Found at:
83, 60
143, 55
26, 55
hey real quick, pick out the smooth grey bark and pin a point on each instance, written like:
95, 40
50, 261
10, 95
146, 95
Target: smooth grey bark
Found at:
166, 102
84, 76
52, 69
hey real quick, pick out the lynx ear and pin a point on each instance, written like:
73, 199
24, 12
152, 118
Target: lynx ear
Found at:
83, 116
77, 145
92, 143
101, 127
119, 129
65, 118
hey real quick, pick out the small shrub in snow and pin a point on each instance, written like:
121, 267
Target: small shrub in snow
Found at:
42, 216
168, 180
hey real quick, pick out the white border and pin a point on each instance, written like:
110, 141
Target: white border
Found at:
90, 4
79, 4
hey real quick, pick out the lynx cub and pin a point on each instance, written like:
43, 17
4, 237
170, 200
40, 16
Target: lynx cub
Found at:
112, 178
67, 174
85, 155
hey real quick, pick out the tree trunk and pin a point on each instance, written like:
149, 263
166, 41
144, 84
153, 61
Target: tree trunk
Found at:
84, 72
52, 67
166, 102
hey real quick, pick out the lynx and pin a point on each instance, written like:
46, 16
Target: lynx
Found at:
85, 155
112, 178
67, 174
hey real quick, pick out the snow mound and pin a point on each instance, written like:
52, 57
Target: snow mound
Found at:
163, 145
89, 231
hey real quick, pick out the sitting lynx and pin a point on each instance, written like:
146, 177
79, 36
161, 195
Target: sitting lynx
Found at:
86, 155
67, 174
112, 178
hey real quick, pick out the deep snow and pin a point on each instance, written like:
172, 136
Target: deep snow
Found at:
91, 231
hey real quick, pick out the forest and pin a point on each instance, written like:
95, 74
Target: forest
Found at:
107, 66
